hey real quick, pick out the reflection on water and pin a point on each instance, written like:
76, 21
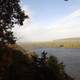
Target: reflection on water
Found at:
70, 57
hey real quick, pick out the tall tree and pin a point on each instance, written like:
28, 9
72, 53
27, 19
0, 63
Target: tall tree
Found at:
10, 14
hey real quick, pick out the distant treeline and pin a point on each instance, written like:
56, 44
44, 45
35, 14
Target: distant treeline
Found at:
65, 43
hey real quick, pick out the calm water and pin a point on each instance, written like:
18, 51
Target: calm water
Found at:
70, 57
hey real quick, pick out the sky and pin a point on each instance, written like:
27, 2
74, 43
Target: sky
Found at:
49, 20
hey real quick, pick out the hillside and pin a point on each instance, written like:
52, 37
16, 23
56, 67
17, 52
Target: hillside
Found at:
65, 43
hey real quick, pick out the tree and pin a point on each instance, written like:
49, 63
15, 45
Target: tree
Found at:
10, 14
48, 68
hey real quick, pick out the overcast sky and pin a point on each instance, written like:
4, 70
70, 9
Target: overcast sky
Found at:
49, 20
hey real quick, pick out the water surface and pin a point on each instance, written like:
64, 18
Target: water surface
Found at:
70, 57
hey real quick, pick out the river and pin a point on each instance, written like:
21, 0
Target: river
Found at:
70, 57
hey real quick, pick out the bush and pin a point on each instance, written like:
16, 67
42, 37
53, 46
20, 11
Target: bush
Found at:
21, 67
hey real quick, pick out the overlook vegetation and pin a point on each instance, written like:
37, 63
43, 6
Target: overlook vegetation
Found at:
19, 66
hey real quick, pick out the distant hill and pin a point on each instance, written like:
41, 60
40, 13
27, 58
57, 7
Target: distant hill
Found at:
67, 43
71, 39
60, 43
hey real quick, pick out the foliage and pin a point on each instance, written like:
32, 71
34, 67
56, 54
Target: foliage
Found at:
10, 14
21, 67
48, 68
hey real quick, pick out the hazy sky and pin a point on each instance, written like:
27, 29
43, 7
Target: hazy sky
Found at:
50, 19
